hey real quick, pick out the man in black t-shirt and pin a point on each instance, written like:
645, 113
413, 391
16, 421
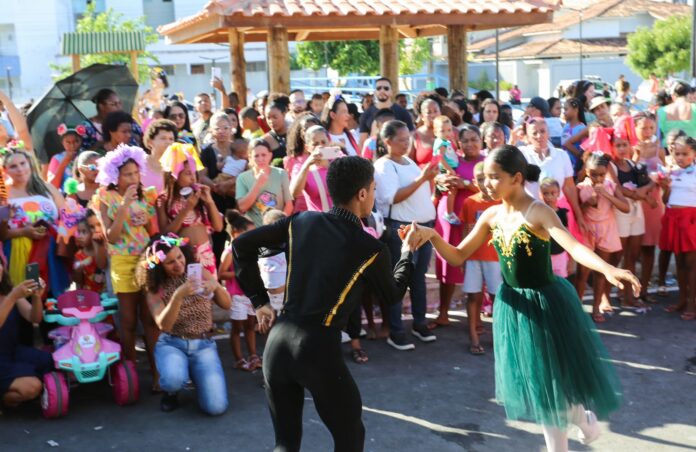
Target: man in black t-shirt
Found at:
382, 99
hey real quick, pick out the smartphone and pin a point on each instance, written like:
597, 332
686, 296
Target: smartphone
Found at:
215, 72
331, 153
194, 273
4, 213
32, 272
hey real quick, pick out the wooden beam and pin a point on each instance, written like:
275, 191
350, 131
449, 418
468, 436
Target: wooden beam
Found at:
302, 35
408, 32
278, 60
75, 62
237, 64
457, 58
134, 65
389, 54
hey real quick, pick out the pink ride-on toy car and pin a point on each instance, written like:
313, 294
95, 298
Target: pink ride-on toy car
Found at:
82, 349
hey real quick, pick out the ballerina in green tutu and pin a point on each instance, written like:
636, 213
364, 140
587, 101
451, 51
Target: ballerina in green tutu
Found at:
550, 364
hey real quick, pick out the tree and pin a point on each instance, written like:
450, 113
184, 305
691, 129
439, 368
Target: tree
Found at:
662, 50
111, 21
361, 57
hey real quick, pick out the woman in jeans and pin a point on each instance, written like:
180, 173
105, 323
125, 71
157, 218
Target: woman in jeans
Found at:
403, 196
183, 311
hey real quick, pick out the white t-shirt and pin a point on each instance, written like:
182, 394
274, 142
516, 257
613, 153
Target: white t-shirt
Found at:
391, 177
683, 187
234, 167
556, 165
343, 140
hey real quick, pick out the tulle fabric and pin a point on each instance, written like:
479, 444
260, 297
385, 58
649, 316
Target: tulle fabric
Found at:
548, 356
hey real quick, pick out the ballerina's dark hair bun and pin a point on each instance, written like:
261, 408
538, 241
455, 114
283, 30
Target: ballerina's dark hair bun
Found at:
533, 173
511, 160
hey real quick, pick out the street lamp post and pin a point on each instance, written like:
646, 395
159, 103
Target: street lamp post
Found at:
9, 80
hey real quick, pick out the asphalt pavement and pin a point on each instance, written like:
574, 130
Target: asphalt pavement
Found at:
436, 398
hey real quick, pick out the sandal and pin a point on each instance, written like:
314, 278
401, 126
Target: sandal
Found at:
255, 362
688, 316
477, 349
243, 364
598, 318
674, 308
359, 355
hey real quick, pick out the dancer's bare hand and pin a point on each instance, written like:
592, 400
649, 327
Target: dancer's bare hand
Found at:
619, 276
266, 316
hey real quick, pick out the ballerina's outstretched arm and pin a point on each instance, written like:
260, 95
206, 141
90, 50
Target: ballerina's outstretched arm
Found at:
456, 255
543, 217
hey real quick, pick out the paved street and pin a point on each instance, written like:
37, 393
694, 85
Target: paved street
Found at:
436, 398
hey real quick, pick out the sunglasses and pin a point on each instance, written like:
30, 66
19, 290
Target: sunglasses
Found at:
90, 167
382, 88
177, 116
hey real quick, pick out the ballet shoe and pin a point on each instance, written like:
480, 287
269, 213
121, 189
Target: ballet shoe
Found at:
589, 430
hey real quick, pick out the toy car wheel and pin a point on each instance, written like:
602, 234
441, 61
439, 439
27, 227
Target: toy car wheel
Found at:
124, 379
55, 396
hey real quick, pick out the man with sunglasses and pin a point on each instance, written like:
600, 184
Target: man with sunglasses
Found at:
383, 98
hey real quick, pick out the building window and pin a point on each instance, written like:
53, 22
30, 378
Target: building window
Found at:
197, 69
256, 66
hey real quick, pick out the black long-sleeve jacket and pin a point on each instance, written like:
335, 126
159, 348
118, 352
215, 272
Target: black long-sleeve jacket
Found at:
331, 261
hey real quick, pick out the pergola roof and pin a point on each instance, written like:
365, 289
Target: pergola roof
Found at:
323, 20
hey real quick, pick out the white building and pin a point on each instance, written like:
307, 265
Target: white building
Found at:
31, 32
538, 57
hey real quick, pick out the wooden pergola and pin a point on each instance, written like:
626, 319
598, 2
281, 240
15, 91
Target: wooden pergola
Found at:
279, 21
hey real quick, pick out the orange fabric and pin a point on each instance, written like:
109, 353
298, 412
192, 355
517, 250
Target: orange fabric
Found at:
472, 209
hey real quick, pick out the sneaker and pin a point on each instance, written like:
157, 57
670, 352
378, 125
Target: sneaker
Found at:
399, 342
451, 218
423, 333
169, 402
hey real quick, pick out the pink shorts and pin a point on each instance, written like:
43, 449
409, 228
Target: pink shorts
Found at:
603, 235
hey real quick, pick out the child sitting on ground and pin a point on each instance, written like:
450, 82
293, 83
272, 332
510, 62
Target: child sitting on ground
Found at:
443, 151
482, 266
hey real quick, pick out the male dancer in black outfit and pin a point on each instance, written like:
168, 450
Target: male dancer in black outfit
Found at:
331, 262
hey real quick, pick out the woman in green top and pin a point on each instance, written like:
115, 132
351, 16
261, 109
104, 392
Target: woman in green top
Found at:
550, 364
680, 114
263, 187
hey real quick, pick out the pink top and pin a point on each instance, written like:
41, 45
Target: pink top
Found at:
153, 179
292, 166
199, 215
232, 285
604, 210
311, 190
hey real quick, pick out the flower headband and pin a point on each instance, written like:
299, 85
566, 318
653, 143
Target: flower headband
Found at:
80, 130
110, 164
11, 146
154, 257
177, 155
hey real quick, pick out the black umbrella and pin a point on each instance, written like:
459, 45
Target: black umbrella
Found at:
69, 102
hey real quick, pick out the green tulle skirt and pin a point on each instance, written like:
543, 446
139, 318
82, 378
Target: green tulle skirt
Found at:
548, 356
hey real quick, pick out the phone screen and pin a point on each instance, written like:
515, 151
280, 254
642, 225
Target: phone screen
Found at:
215, 72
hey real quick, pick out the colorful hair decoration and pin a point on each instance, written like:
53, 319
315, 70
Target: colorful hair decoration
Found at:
11, 146
80, 130
154, 256
625, 129
177, 155
70, 215
110, 164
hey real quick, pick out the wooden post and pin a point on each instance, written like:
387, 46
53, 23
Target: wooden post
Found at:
278, 60
457, 58
389, 54
75, 62
134, 65
238, 65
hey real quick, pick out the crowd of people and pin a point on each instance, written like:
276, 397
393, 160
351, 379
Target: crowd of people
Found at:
129, 201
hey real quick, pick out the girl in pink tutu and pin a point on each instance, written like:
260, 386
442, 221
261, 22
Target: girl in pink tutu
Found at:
598, 198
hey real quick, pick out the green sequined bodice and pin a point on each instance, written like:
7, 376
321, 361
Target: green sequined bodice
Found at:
525, 260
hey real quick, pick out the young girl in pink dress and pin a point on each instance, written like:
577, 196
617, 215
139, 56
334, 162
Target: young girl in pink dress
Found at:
185, 207
598, 198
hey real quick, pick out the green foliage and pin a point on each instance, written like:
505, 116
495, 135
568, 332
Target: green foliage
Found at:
361, 57
111, 21
483, 82
663, 50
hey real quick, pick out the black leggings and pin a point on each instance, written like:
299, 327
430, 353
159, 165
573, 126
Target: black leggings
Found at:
298, 357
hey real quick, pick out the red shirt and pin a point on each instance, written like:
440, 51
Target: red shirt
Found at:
472, 209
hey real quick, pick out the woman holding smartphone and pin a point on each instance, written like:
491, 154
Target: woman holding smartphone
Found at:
34, 211
182, 309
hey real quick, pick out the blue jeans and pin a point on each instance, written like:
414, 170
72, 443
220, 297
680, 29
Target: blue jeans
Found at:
178, 358
416, 285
